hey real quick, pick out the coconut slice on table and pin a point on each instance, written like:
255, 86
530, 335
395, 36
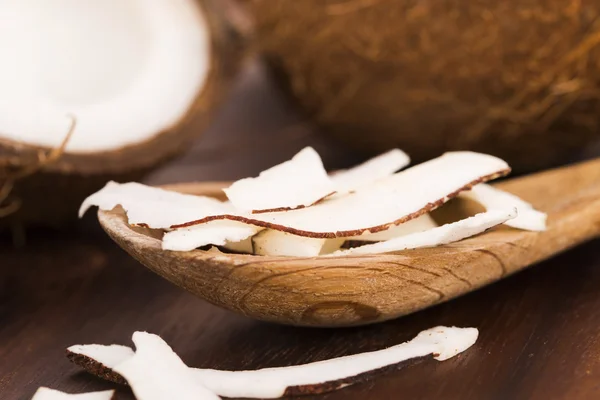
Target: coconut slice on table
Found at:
44, 393
492, 198
132, 73
99, 360
155, 372
379, 206
318, 377
370, 171
297, 183
444, 234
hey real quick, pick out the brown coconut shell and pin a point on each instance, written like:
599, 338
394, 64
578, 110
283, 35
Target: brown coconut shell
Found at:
517, 79
52, 195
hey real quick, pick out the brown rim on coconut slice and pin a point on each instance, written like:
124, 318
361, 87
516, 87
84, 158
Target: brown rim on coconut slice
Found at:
229, 234
373, 208
155, 372
45, 393
297, 183
133, 74
319, 377
99, 360
388, 202
420, 224
444, 234
491, 198
153, 207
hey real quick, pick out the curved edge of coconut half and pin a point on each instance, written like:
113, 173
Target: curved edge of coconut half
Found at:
441, 343
179, 61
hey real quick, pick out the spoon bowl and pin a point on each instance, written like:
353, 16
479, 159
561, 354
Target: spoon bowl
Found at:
358, 290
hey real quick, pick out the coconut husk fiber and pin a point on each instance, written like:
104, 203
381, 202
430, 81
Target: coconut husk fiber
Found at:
43, 186
518, 79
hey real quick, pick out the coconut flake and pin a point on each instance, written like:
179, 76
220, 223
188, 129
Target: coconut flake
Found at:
275, 243
370, 171
420, 224
155, 372
390, 201
297, 183
45, 393
153, 207
492, 198
111, 355
218, 233
444, 234
441, 342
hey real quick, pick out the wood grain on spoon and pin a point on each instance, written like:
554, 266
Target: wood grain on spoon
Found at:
360, 290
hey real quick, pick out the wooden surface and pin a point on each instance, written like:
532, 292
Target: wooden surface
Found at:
540, 329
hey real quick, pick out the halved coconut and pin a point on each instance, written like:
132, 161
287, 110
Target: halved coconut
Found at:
297, 183
318, 377
155, 372
437, 236
45, 393
492, 198
131, 72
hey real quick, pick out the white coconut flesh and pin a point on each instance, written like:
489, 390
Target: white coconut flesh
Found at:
441, 342
155, 372
492, 198
386, 202
370, 171
44, 393
125, 69
375, 207
392, 210
154, 207
299, 182
276, 243
420, 224
444, 234
230, 234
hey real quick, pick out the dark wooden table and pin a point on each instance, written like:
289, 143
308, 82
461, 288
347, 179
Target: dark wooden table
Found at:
539, 330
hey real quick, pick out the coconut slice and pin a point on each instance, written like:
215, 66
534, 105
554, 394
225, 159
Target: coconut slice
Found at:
100, 360
318, 377
370, 171
153, 207
155, 372
219, 233
297, 183
491, 198
437, 236
132, 73
44, 393
381, 205
420, 224
276, 243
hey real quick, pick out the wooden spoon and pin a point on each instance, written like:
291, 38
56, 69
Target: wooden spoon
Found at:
359, 290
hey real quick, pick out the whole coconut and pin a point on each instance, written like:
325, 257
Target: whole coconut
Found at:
516, 78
